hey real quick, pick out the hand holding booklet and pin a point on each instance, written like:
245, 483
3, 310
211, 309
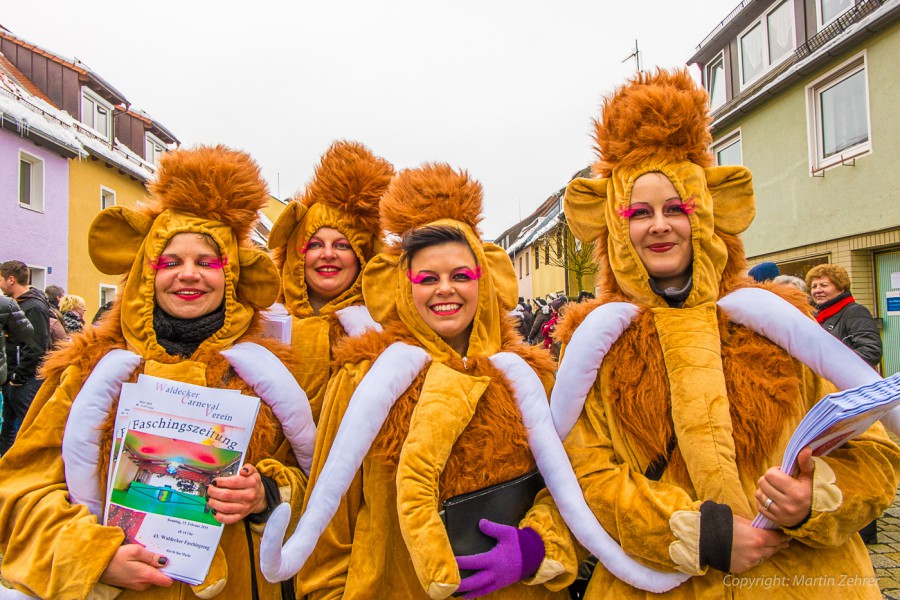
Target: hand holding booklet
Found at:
172, 440
836, 419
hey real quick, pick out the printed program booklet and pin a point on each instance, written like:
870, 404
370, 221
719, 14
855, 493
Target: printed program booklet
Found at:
836, 419
172, 440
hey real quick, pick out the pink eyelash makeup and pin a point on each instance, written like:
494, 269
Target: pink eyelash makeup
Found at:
687, 205
415, 279
302, 249
162, 263
472, 275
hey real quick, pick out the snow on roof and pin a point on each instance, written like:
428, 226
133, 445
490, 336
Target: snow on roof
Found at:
32, 113
539, 229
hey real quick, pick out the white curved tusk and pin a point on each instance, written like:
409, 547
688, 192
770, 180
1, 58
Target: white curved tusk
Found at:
356, 320
560, 479
582, 359
775, 318
275, 386
89, 410
390, 376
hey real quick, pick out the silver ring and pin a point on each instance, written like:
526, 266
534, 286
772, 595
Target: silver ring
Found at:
768, 503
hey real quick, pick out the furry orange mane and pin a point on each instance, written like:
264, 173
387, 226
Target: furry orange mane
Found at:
658, 116
351, 179
435, 191
215, 182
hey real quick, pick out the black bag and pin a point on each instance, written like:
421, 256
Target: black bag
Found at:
505, 503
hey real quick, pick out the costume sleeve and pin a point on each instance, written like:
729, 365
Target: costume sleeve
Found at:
862, 334
43, 535
851, 486
562, 554
325, 574
282, 468
656, 523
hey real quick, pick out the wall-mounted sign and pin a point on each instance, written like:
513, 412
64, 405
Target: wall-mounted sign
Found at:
893, 303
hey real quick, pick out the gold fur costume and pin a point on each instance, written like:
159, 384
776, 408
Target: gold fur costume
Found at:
343, 195
727, 397
54, 548
455, 429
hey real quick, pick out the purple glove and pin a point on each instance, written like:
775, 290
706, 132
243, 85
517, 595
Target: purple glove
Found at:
517, 556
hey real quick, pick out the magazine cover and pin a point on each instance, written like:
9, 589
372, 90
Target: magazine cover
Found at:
173, 440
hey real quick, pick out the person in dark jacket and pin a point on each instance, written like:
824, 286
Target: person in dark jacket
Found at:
849, 322
23, 358
541, 316
13, 326
846, 320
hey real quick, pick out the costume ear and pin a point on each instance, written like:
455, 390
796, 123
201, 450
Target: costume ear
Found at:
585, 207
285, 224
380, 286
115, 238
258, 282
503, 275
734, 204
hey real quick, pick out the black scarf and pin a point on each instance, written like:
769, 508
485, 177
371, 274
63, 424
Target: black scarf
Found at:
182, 337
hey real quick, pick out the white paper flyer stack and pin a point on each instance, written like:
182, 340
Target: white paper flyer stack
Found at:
836, 419
172, 440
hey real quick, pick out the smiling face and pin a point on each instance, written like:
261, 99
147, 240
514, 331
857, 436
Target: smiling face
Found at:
660, 230
824, 289
190, 277
331, 266
445, 291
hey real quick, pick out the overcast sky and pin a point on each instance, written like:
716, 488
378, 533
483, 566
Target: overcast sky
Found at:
505, 89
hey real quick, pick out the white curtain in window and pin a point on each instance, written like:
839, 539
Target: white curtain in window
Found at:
832, 8
752, 53
781, 31
844, 115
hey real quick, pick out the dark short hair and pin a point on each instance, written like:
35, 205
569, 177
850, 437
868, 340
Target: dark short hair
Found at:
431, 235
17, 270
54, 293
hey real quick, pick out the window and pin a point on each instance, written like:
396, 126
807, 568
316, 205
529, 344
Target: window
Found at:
107, 294
715, 81
838, 111
31, 181
547, 251
537, 257
766, 42
153, 149
527, 263
37, 277
107, 197
96, 113
520, 267
828, 10
728, 150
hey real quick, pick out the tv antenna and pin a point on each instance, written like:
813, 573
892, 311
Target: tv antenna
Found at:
636, 55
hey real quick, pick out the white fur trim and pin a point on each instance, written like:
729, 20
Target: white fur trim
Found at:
581, 361
391, 374
560, 479
81, 440
11, 594
356, 320
275, 386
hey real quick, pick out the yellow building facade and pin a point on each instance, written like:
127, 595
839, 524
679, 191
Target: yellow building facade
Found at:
94, 185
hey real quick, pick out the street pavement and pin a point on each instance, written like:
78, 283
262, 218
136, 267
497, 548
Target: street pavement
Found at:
886, 553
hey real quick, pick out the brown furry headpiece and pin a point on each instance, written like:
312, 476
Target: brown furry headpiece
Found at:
655, 117
429, 193
351, 179
215, 182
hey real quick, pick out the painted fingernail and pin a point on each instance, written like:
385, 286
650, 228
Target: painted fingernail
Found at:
245, 471
215, 482
213, 511
162, 560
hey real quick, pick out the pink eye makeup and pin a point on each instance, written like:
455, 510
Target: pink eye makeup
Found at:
468, 273
215, 263
427, 277
163, 262
640, 209
462, 274
627, 213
